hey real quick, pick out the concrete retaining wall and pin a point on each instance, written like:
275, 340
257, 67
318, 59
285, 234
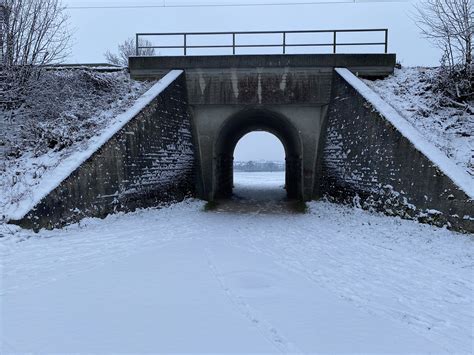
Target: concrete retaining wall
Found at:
146, 163
368, 161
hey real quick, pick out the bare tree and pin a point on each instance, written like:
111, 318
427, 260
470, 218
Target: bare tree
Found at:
449, 25
36, 32
2, 21
128, 49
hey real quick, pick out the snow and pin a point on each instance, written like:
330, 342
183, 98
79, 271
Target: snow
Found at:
64, 110
410, 91
53, 177
459, 176
97, 67
179, 279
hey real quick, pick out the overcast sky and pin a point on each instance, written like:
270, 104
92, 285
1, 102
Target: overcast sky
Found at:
97, 30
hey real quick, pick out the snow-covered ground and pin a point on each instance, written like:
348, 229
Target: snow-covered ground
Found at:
180, 279
451, 129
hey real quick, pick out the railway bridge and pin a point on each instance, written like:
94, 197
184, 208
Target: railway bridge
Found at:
341, 139
287, 95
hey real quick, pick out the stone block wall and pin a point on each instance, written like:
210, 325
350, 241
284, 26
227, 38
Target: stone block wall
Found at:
150, 161
367, 161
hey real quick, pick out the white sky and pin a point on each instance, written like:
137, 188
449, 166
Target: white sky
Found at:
97, 30
259, 146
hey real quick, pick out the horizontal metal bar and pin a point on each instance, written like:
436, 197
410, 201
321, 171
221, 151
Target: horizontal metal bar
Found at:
310, 45
267, 45
239, 46
362, 44
162, 47
216, 46
257, 32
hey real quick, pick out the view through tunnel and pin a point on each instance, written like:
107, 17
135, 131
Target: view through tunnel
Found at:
259, 168
259, 162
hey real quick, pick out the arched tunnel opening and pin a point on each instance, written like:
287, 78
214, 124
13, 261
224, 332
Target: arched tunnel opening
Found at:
247, 121
259, 167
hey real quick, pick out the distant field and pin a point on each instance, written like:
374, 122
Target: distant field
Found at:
264, 179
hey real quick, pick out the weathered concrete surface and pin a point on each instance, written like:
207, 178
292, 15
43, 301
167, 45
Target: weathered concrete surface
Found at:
366, 160
261, 79
259, 86
148, 162
364, 64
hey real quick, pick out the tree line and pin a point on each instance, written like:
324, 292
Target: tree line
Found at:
259, 166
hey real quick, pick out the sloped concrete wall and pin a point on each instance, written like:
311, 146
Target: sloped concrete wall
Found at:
367, 161
148, 162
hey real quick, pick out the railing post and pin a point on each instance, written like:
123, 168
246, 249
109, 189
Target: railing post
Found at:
233, 43
136, 45
386, 41
284, 42
185, 44
334, 45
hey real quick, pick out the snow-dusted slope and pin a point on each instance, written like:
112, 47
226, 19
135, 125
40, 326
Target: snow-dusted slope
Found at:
67, 165
458, 175
95, 105
450, 129
180, 279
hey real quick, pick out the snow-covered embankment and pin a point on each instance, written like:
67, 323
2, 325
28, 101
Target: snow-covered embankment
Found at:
374, 157
144, 158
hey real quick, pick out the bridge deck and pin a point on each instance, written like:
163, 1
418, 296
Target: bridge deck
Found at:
367, 65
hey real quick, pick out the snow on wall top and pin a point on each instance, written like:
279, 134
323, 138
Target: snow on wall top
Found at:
448, 167
54, 178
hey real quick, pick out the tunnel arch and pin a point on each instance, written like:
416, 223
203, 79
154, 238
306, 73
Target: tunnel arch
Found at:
251, 120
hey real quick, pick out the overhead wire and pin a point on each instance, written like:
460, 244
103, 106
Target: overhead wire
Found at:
167, 4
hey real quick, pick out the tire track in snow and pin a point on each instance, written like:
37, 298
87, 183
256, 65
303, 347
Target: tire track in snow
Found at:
268, 331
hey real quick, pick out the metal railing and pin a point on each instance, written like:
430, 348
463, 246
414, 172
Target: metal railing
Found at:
234, 44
